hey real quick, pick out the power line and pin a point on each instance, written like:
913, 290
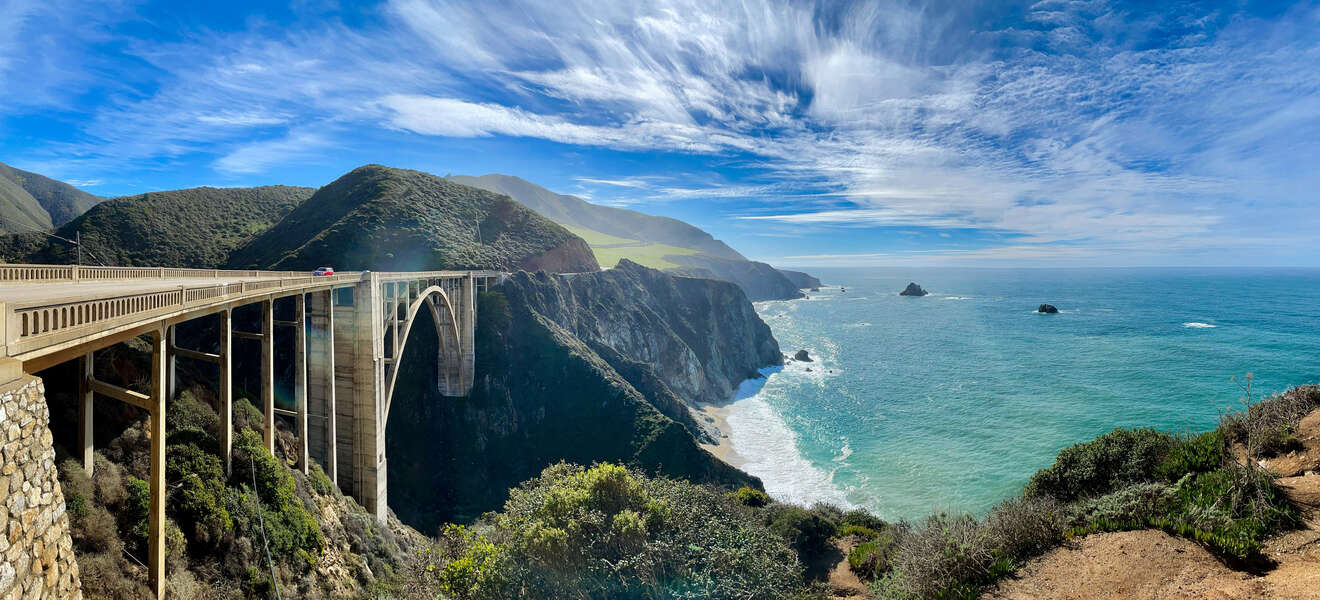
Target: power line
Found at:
77, 243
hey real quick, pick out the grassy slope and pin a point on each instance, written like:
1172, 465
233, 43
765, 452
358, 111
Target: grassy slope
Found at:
61, 201
609, 250
609, 220
195, 227
380, 218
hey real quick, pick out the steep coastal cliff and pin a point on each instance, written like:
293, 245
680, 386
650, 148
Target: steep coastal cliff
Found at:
582, 368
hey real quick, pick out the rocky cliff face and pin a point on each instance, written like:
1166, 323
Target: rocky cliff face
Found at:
589, 367
701, 336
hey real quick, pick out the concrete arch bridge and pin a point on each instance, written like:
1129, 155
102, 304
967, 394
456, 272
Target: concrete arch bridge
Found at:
350, 332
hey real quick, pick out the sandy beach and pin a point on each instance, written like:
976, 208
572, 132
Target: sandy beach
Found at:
717, 415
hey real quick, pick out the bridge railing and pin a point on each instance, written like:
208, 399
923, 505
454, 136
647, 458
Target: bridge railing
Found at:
10, 273
37, 323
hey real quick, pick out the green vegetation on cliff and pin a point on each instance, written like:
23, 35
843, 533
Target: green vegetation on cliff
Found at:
380, 218
31, 201
196, 227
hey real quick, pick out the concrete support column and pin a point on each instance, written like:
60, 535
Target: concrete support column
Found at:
268, 372
85, 425
368, 398
300, 375
321, 381
172, 364
156, 510
225, 400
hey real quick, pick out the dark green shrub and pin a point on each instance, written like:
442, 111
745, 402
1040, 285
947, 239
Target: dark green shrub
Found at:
319, 481
607, 532
136, 508
1231, 510
750, 496
1198, 454
288, 526
1115, 459
247, 416
807, 532
861, 518
871, 558
197, 496
187, 412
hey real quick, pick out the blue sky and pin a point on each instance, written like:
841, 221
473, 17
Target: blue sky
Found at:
864, 133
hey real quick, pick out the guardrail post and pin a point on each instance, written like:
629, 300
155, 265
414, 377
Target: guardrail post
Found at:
162, 271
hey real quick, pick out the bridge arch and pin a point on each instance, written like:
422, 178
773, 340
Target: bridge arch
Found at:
449, 358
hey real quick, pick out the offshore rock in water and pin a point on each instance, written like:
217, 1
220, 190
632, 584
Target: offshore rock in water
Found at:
1047, 309
802, 355
913, 289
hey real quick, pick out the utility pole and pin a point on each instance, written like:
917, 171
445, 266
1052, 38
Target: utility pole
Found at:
77, 237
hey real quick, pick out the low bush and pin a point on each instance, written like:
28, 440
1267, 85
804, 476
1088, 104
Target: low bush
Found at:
1231, 510
1193, 454
750, 496
806, 531
607, 532
197, 494
1023, 527
1097, 467
861, 518
874, 555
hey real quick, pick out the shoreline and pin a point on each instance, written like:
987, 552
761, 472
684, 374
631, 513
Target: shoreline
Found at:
718, 416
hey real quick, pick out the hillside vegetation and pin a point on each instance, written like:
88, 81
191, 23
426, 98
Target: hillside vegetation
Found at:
197, 227
609, 220
659, 242
380, 218
29, 200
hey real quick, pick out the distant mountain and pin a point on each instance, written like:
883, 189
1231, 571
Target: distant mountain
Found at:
196, 227
620, 222
381, 218
659, 242
31, 201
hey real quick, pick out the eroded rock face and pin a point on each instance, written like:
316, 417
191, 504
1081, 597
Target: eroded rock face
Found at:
702, 336
1047, 309
572, 256
913, 289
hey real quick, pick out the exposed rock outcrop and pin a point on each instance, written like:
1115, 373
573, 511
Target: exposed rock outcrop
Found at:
1047, 309
802, 356
913, 289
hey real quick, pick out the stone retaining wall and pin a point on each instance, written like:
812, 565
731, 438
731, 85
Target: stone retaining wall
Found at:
36, 552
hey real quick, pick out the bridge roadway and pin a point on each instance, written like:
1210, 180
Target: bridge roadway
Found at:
349, 333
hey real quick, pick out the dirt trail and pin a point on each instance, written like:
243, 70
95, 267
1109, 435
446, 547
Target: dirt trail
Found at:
1154, 565
844, 584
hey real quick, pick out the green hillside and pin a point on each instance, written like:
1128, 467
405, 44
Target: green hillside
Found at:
31, 201
195, 227
61, 201
608, 220
381, 218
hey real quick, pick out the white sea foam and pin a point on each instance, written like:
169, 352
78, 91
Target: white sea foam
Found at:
957, 297
1196, 325
770, 448
856, 325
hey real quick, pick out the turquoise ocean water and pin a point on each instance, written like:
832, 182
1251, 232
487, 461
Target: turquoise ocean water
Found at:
952, 401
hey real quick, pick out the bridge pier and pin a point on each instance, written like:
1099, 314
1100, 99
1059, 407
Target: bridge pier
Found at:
321, 436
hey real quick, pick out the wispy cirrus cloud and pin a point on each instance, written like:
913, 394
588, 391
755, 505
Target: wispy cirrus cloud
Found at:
1101, 126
